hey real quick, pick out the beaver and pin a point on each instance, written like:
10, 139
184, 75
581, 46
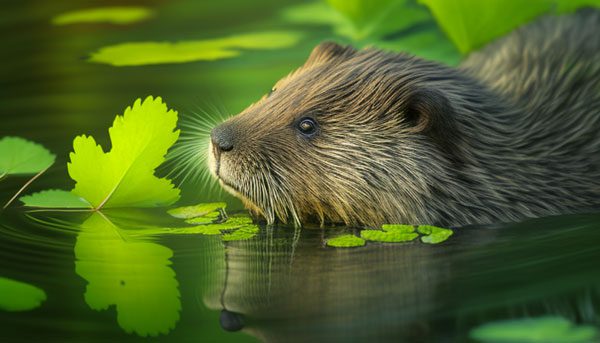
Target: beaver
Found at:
365, 137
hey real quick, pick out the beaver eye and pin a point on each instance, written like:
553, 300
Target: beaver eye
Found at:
307, 126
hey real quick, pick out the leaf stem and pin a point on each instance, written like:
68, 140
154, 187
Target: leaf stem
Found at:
23, 188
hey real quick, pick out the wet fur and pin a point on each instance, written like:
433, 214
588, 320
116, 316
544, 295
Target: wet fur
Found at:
513, 132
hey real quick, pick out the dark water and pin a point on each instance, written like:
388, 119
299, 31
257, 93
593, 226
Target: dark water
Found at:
107, 282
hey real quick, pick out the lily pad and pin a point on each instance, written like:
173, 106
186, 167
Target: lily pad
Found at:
434, 234
19, 296
194, 211
534, 330
392, 233
346, 241
243, 233
19, 156
144, 53
113, 15
205, 219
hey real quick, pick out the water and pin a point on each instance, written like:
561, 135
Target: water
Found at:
283, 285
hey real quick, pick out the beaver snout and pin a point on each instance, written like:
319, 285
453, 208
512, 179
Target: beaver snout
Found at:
222, 138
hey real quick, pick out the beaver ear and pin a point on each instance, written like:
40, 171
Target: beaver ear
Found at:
329, 51
429, 112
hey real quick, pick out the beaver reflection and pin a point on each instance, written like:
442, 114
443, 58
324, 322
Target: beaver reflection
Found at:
281, 288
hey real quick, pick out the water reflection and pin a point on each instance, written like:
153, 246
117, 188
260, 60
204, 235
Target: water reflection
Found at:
284, 288
133, 275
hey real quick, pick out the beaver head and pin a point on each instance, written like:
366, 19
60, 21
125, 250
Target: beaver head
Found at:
359, 137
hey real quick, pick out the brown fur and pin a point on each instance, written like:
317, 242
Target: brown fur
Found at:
514, 132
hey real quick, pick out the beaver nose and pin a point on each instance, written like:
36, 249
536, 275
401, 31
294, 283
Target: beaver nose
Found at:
222, 137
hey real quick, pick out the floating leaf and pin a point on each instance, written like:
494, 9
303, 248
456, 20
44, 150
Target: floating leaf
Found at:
135, 276
143, 53
19, 296
55, 198
19, 156
194, 211
392, 233
229, 228
434, 234
534, 330
243, 233
112, 15
472, 23
205, 219
124, 176
345, 241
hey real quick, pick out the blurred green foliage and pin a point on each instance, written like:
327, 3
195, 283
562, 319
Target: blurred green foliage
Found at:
535, 330
114, 15
143, 53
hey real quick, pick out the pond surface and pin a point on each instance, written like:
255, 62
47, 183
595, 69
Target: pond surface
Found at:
105, 280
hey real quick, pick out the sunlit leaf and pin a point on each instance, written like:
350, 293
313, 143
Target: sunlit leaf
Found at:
472, 23
391, 233
194, 211
534, 330
143, 53
19, 156
124, 176
113, 15
55, 198
19, 296
434, 234
345, 241
135, 276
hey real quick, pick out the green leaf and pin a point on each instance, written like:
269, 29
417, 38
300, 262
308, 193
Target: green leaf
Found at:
429, 44
112, 15
472, 23
133, 275
144, 53
205, 219
19, 156
345, 241
392, 233
434, 234
19, 296
55, 198
359, 20
243, 233
194, 211
124, 176
534, 330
